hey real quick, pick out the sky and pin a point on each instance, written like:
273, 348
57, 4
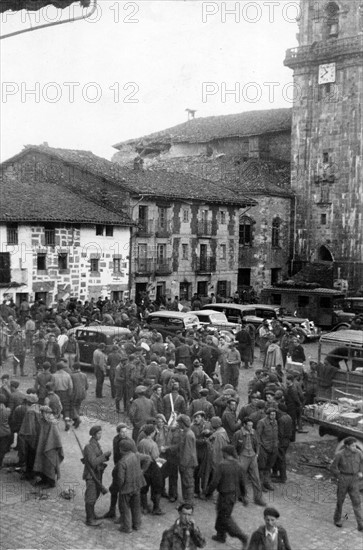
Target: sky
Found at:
134, 67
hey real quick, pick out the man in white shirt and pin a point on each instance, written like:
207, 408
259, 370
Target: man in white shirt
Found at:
269, 536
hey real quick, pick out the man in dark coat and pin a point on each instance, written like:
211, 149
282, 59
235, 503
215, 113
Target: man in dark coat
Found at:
130, 479
228, 479
184, 533
94, 460
244, 345
141, 409
267, 432
269, 535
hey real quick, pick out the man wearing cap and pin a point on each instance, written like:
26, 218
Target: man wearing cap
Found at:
130, 479
267, 432
228, 479
229, 418
94, 460
202, 404
141, 409
347, 466
99, 362
270, 535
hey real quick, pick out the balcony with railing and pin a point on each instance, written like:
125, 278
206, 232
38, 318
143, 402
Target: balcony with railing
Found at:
204, 229
163, 267
144, 227
144, 266
206, 265
324, 51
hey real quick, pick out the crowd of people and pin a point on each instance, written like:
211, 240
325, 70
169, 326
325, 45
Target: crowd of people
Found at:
180, 395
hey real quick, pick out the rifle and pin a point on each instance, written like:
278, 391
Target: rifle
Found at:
89, 468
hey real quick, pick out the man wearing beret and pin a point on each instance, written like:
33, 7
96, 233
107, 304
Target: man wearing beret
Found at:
95, 460
269, 535
228, 479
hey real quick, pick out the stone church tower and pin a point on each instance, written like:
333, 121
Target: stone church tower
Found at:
327, 140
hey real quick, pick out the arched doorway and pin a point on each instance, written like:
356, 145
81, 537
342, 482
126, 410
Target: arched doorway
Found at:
324, 254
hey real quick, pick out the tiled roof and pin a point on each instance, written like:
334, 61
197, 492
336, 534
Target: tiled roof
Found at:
34, 5
204, 129
252, 177
157, 183
35, 201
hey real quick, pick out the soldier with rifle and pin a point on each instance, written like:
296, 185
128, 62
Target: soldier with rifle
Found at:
94, 460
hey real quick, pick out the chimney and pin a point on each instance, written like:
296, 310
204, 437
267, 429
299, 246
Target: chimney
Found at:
138, 163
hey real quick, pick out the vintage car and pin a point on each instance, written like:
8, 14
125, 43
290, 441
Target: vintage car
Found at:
168, 323
216, 320
90, 337
305, 329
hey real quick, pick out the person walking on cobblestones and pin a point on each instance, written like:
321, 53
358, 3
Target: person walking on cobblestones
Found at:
270, 535
184, 534
348, 467
228, 479
94, 463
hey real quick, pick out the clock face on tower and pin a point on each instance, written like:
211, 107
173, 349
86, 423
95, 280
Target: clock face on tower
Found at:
327, 73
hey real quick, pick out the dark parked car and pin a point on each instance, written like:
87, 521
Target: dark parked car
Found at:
89, 338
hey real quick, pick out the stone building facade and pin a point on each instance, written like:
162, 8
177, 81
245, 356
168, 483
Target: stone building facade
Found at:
55, 243
327, 140
245, 153
183, 238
